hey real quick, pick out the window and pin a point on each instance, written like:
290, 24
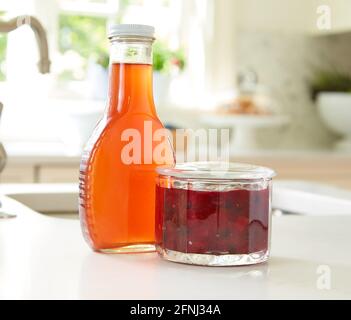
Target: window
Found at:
80, 28
3, 43
82, 37
77, 35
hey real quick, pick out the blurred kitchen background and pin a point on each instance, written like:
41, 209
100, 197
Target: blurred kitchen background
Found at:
276, 73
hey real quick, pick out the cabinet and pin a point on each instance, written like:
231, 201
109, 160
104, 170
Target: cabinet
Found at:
18, 174
323, 167
318, 167
41, 172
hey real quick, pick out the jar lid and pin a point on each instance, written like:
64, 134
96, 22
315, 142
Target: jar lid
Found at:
216, 170
131, 30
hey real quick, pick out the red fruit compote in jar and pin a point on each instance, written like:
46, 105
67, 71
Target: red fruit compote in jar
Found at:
212, 213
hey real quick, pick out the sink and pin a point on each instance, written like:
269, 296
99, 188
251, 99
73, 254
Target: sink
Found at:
55, 200
310, 198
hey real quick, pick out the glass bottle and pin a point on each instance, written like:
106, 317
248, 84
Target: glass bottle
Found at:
117, 172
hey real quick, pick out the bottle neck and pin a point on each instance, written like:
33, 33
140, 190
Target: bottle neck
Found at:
131, 77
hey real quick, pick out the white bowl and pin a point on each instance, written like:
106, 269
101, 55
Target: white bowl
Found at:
335, 111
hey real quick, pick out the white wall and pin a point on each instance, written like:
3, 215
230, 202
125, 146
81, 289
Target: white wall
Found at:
292, 15
274, 15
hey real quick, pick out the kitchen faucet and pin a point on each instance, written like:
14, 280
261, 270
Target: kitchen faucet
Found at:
43, 64
40, 34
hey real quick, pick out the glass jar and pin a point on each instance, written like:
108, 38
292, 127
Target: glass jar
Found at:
215, 214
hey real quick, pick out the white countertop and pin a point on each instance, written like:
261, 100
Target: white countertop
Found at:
45, 257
